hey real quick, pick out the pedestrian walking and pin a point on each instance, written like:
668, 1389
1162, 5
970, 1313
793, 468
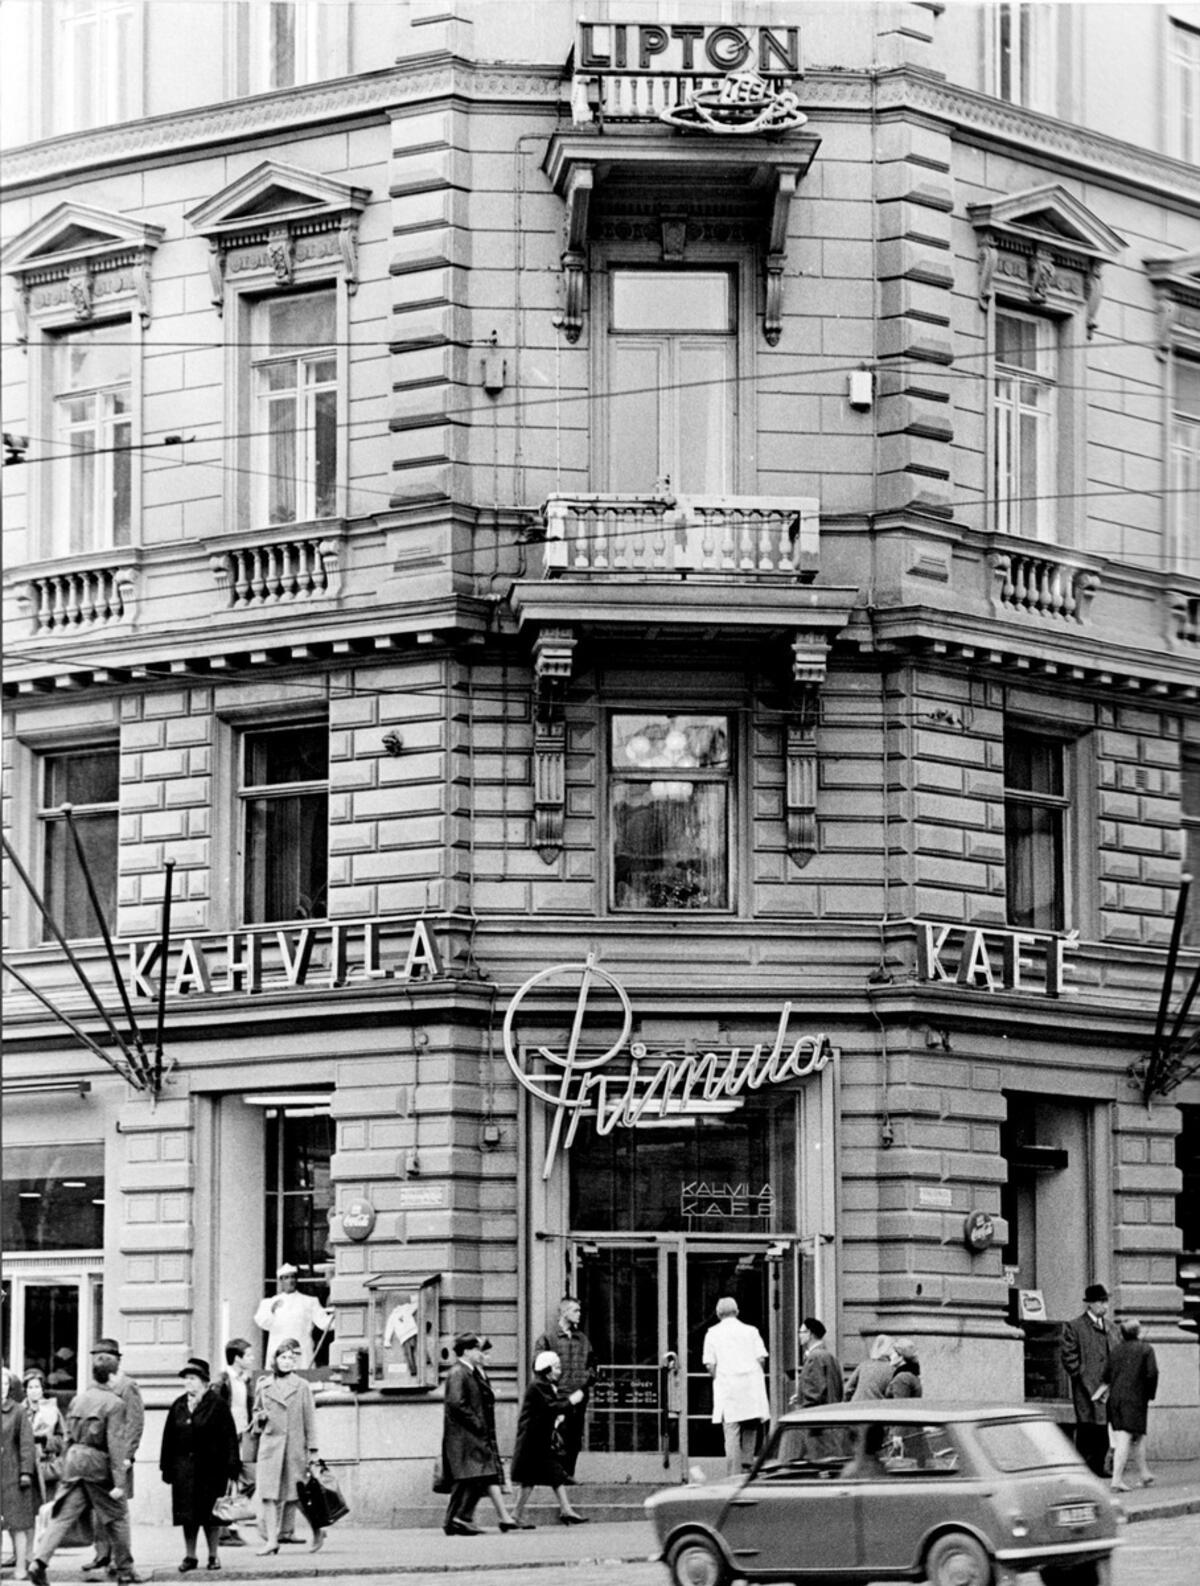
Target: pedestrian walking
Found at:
734, 1355
566, 1339
293, 1316
18, 1468
234, 1387
539, 1455
95, 1469
820, 1376
1130, 1383
285, 1418
870, 1378
49, 1434
1087, 1342
906, 1371
198, 1461
107, 1351
470, 1458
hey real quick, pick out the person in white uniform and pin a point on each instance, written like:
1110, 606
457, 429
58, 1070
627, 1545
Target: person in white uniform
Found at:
290, 1314
735, 1354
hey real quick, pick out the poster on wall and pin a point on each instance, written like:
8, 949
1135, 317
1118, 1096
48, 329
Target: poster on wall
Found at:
404, 1331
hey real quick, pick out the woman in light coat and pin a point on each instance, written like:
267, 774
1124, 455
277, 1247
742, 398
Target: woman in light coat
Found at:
870, 1379
49, 1434
17, 1465
285, 1419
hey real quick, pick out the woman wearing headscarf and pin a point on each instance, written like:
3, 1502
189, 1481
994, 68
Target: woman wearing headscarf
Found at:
49, 1434
199, 1459
870, 1378
537, 1462
1131, 1375
906, 1376
285, 1418
17, 1464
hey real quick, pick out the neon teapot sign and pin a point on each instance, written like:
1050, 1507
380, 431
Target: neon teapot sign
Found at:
653, 1090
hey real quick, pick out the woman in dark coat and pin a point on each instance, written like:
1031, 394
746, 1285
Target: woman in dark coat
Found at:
536, 1461
199, 1459
470, 1458
906, 1379
17, 1464
1131, 1377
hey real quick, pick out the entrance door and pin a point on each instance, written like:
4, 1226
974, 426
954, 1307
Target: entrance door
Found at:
55, 1320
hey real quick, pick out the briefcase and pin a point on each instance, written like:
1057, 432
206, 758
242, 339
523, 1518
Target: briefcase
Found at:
320, 1498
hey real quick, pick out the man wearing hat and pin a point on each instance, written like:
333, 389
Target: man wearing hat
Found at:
290, 1314
470, 1459
107, 1352
1086, 1344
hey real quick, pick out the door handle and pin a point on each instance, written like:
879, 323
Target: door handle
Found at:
743, 1503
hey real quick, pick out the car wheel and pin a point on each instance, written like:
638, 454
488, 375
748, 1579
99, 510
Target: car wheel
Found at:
957, 1559
696, 1561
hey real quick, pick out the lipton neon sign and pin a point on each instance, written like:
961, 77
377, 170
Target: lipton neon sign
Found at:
674, 1088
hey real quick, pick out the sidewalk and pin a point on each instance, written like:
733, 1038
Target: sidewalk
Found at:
351, 1550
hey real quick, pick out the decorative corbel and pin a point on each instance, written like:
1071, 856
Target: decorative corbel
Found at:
221, 563
777, 254
810, 654
574, 258
141, 290
989, 256
1093, 294
553, 653
1040, 270
125, 582
330, 552
21, 309
1168, 318
216, 274
281, 253
674, 237
348, 243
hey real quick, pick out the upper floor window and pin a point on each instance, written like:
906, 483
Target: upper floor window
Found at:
97, 59
284, 799
1036, 805
1190, 822
1183, 92
296, 42
88, 779
92, 400
1024, 422
1023, 54
294, 373
1185, 456
670, 811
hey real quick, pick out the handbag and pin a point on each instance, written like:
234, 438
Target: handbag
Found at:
320, 1497
441, 1482
233, 1508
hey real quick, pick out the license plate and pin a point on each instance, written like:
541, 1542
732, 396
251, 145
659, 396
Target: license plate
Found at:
1076, 1514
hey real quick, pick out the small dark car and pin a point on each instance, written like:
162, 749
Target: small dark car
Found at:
897, 1490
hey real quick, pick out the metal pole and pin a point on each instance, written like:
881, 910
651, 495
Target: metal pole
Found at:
143, 1058
79, 1034
162, 975
71, 959
1152, 1065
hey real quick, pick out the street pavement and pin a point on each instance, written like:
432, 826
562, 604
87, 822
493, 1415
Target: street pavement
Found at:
1163, 1533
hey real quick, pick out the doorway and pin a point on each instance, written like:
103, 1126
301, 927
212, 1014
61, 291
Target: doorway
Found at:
53, 1321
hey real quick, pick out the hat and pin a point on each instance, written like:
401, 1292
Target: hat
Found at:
106, 1346
816, 1328
905, 1348
1094, 1291
196, 1368
287, 1270
545, 1360
466, 1341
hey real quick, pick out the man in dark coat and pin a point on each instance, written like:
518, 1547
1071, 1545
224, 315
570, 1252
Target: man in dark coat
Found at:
567, 1339
469, 1455
821, 1375
95, 1468
1087, 1343
108, 1352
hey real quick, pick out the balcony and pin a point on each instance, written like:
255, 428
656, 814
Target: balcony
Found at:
96, 592
280, 567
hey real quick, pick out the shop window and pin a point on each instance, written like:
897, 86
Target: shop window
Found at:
1036, 806
1185, 459
91, 374
1023, 54
672, 381
97, 56
299, 1198
53, 1197
294, 379
670, 811
87, 779
1187, 1212
1183, 92
284, 799
1024, 420
1190, 822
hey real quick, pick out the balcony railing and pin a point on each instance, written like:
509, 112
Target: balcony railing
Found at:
79, 600
683, 536
279, 571
1042, 586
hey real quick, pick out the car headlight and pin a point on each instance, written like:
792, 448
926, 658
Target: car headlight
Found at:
1019, 1524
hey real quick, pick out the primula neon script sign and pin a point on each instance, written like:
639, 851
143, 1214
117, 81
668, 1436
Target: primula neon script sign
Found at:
653, 1090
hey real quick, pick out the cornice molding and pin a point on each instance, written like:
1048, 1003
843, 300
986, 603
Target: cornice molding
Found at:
971, 116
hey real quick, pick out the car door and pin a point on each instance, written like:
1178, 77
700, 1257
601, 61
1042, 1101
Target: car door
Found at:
794, 1517
919, 1482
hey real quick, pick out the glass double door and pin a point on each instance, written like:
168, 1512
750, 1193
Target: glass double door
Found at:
647, 1305
50, 1322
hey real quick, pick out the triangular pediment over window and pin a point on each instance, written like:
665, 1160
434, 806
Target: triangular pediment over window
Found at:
1176, 283
274, 220
78, 260
1046, 246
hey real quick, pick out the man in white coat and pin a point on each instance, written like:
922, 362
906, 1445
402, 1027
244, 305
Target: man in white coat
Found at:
735, 1354
290, 1314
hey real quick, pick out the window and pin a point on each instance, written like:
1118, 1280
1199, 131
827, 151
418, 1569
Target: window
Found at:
1035, 816
670, 792
88, 780
672, 367
1023, 55
1190, 822
1024, 424
53, 1197
285, 822
1183, 92
296, 42
1185, 459
294, 376
98, 61
91, 374
299, 1198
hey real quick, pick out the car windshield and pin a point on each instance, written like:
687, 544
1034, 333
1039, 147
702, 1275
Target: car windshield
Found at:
1025, 1445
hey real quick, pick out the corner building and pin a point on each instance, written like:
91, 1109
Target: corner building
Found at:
651, 618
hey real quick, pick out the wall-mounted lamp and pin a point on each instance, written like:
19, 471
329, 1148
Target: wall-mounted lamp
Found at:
887, 1135
393, 742
860, 389
937, 1040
